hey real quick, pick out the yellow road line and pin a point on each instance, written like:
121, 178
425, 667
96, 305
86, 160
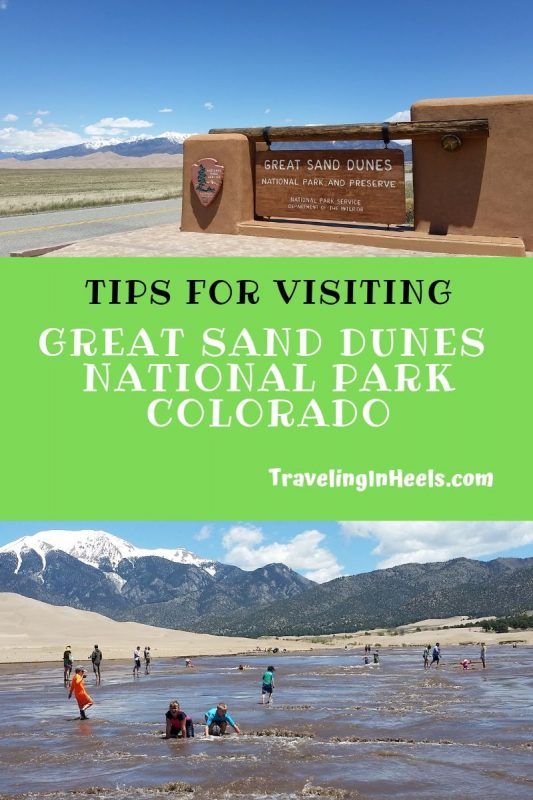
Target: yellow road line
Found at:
84, 222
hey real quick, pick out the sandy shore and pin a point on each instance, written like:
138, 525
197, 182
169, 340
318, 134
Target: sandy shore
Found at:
430, 631
34, 631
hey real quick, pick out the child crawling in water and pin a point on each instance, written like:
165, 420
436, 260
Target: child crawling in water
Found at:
178, 723
217, 720
77, 688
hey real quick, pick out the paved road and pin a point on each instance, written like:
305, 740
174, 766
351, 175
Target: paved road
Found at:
57, 227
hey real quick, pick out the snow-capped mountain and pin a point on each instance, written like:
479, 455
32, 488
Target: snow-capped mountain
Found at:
99, 571
171, 142
98, 143
98, 549
172, 137
142, 145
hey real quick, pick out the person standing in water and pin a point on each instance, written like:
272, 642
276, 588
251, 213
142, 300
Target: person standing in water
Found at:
67, 664
376, 657
268, 685
147, 660
77, 688
436, 655
136, 661
483, 655
427, 651
96, 657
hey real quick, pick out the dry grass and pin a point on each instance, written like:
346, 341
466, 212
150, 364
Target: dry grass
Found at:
24, 191
31, 191
409, 194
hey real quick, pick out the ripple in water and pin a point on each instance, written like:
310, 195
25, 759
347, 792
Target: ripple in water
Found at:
335, 730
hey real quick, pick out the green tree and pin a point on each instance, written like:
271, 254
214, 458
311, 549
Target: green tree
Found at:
501, 626
202, 180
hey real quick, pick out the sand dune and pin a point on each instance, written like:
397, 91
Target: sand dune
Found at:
96, 161
432, 623
35, 631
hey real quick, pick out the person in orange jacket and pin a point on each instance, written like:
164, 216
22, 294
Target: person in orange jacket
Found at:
77, 688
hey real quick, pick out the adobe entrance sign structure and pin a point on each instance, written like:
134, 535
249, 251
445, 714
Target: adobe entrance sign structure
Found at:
472, 180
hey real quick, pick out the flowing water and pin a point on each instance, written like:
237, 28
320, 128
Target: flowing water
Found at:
337, 729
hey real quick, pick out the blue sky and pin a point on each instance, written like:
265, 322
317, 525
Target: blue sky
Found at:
320, 550
110, 67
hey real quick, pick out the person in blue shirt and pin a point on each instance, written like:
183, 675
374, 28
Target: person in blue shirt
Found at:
436, 655
217, 720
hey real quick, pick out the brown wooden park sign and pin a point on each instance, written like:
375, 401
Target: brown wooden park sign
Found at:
345, 186
472, 180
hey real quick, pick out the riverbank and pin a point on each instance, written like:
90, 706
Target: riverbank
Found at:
31, 631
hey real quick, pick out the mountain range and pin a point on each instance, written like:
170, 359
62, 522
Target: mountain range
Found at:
97, 571
172, 143
144, 145
174, 588
391, 597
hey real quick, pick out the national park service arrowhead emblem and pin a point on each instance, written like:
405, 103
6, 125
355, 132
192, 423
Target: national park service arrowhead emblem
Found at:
207, 176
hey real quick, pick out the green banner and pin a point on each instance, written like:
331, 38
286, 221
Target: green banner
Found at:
266, 388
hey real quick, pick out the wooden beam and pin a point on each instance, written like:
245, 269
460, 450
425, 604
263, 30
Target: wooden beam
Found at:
364, 131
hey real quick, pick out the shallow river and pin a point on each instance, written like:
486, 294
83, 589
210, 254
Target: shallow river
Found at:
337, 728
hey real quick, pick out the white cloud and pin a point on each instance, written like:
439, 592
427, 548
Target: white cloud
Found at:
3, 5
209, 105
37, 122
404, 542
115, 126
267, 110
10, 118
41, 113
125, 122
400, 116
165, 110
204, 533
33, 141
304, 552
242, 535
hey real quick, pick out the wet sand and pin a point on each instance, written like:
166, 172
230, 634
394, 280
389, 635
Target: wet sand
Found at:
338, 728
